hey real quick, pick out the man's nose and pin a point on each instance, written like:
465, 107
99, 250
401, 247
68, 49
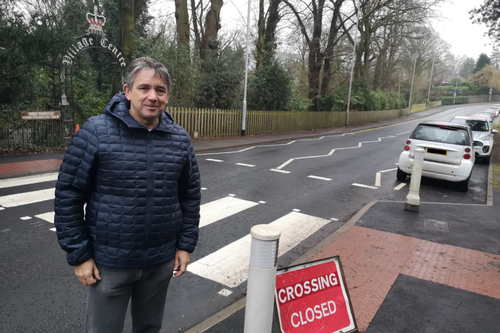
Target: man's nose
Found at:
152, 96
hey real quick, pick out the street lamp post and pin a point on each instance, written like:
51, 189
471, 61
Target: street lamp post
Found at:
412, 83
244, 115
430, 82
352, 66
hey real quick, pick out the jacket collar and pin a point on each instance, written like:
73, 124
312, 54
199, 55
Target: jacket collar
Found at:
119, 107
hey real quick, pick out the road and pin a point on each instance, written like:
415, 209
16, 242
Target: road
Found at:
304, 187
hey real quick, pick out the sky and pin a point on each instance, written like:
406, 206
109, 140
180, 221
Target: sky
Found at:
454, 26
457, 29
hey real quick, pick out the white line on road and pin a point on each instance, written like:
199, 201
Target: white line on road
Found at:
388, 170
246, 165
285, 164
2, 208
229, 265
214, 160
204, 188
52, 229
220, 209
365, 186
49, 217
11, 182
403, 133
334, 219
26, 198
296, 210
281, 171
378, 179
25, 218
225, 292
320, 178
262, 202
400, 186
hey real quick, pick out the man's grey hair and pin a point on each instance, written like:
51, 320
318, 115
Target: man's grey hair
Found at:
144, 63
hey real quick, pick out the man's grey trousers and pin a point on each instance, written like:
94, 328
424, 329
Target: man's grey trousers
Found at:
108, 299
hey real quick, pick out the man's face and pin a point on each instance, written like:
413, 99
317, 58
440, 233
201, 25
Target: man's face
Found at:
148, 96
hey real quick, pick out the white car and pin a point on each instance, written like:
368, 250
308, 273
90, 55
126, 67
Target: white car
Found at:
490, 113
483, 115
482, 133
449, 152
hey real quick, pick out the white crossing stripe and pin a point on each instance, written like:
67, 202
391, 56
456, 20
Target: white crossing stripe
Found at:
246, 165
27, 198
400, 186
220, 209
49, 217
229, 265
19, 181
25, 218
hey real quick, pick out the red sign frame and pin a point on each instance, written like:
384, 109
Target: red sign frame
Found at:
313, 297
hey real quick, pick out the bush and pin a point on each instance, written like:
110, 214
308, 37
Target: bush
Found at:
458, 100
270, 88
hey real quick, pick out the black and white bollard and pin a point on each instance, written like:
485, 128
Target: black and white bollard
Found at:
413, 198
261, 279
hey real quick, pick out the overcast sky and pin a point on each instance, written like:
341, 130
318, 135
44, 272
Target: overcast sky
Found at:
457, 29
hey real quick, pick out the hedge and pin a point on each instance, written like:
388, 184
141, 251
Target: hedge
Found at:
458, 100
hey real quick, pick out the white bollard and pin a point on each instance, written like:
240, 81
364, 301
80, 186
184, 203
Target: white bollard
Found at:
413, 198
261, 279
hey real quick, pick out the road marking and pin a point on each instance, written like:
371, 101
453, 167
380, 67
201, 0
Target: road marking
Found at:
2, 208
285, 164
400, 186
296, 210
334, 219
25, 218
204, 188
320, 178
378, 179
282, 171
214, 160
225, 292
52, 229
27, 198
49, 217
220, 209
403, 133
365, 186
12, 182
388, 170
229, 265
262, 202
227, 152
377, 128
246, 165
231, 195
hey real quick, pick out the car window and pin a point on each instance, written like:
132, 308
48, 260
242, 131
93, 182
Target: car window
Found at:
478, 125
442, 134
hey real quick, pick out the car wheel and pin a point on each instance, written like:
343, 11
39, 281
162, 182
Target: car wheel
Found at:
401, 176
464, 185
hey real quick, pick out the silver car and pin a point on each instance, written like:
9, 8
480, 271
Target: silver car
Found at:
482, 133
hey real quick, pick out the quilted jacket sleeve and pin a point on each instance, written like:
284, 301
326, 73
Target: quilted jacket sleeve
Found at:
73, 190
189, 198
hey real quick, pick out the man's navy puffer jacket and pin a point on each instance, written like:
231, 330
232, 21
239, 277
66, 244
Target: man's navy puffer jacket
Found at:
142, 191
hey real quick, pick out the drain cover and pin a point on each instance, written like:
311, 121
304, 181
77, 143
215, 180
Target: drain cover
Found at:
436, 225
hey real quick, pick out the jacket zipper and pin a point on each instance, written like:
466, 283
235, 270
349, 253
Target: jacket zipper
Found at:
149, 195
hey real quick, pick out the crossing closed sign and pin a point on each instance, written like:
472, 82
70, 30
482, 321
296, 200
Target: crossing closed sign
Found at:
313, 297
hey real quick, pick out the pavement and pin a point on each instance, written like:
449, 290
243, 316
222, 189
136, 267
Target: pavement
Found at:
437, 270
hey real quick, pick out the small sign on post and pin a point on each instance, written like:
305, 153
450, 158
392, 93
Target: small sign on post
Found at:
40, 115
313, 297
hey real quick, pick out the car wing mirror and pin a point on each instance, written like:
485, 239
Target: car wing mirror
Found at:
478, 143
494, 131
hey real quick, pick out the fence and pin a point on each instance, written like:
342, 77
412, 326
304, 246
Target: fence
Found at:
42, 135
19, 135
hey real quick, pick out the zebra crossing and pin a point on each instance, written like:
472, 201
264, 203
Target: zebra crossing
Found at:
227, 265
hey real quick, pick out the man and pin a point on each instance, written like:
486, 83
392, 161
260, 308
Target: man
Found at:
137, 172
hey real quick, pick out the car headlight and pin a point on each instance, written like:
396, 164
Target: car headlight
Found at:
484, 138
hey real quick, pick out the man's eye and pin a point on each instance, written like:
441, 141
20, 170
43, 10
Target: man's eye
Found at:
142, 88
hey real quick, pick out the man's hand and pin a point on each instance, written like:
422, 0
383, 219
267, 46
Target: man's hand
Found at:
87, 273
180, 262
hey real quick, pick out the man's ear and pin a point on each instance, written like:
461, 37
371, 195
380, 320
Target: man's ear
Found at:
127, 91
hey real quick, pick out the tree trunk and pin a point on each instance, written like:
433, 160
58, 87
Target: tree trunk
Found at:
127, 28
273, 19
332, 41
209, 40
182, 20
196, 24
259, 47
